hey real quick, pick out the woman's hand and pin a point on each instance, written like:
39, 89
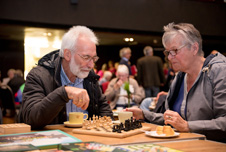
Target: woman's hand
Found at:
118, 84
174, 119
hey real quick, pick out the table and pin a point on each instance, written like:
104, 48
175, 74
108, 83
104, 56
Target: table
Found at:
139, 138
188, 142
196, 146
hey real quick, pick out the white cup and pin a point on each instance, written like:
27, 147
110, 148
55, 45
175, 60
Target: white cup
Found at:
77, 117
124, 115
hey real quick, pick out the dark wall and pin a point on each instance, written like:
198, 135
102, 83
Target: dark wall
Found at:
140, 15
11, 56
123, 15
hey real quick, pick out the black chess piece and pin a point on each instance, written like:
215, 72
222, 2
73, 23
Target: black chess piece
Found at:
135, 124
119, 129
140, 125
114, 129
132, 127
127, 125
122, 126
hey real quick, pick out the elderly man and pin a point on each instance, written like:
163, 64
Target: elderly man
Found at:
64, 82
125, 54
150, 72
116, 92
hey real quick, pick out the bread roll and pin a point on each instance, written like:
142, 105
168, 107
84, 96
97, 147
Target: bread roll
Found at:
159, 130
168, 130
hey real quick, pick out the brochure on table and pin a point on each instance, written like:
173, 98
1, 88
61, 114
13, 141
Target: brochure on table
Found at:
41, 139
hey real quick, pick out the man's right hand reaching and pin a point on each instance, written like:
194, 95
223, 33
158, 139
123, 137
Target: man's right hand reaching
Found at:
79, 96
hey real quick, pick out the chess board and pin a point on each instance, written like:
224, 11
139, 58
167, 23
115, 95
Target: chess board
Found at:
103, 132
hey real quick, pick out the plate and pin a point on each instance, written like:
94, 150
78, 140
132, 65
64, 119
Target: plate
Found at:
154, 134
66, 123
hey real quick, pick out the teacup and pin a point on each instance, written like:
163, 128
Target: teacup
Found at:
124, 115
77, 117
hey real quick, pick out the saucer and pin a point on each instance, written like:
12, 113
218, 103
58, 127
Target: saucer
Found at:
66, 123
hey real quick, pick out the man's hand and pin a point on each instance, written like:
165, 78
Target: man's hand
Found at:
174, 119
79, 96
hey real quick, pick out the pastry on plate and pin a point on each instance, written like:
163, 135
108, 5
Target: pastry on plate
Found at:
167, 130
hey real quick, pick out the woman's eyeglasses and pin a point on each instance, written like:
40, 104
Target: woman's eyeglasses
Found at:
173, 52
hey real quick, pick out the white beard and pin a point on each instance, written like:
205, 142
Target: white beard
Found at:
75, 69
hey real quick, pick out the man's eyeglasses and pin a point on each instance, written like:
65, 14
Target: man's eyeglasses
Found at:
173, 52
88, 58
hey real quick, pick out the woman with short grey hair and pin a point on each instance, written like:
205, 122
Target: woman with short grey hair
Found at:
196, 101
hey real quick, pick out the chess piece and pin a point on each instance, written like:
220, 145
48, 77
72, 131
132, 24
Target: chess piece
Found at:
119, 129
127, 125
115, 128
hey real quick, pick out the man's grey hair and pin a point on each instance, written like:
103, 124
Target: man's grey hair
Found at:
70, 38
148, 50
187, 31
124, 51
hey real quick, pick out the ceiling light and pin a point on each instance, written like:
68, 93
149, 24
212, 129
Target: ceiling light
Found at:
47, 34
129, 39
126, 39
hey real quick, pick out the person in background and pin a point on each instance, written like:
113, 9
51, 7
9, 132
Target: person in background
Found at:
116, 93
116, 68
150, 72
64, 82
105, 80
111, 67
107, 77
165, 70
16, 81
10, 74
101, 72
196, 99
154, 104
159, 101
125, 54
